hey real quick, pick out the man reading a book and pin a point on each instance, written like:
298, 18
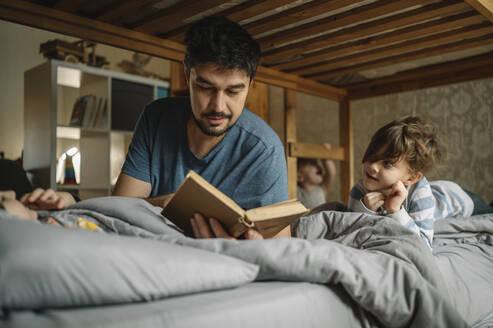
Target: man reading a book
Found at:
209, 132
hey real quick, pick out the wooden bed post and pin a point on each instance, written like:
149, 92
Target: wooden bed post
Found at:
258, 100
290, 105
346, 142
178, 82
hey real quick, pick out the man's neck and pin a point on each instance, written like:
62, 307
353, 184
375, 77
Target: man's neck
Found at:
200, 144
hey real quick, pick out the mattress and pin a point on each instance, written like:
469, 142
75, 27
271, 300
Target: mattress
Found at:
258, 304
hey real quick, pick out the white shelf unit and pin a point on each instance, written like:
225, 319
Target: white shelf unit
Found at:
50, 91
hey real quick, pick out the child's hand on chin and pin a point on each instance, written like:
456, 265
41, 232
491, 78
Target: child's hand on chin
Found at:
394, 200
374, 200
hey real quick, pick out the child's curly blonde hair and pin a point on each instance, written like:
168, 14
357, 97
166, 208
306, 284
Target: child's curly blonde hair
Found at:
410, 137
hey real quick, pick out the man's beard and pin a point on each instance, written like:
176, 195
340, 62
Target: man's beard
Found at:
209, 131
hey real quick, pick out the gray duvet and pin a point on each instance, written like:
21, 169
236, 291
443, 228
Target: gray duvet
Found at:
390, 275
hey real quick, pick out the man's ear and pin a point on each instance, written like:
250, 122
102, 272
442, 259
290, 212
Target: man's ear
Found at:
413, 178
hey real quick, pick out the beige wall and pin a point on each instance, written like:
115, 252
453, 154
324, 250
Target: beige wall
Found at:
20, 52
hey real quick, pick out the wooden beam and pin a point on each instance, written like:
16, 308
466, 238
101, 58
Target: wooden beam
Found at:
168, 18
346, 141
484, 7
70, 5
296, 14
114, 13
308, 150
237, 13
404, 34
429, 52
414, 16
399, 48
290, 107
476, 67
294, 82
30, 14
362, 13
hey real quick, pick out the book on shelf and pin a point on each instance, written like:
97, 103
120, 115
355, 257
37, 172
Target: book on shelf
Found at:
197, 195
100, 120
78, 111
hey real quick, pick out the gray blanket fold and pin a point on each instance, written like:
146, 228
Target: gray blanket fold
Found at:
386, 269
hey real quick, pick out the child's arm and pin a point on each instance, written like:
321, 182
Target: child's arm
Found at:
330, 171
419, 216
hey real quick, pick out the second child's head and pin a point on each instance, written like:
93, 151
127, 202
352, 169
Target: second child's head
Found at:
404, 150
310, 172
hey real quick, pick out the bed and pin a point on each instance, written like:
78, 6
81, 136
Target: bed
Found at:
342, 270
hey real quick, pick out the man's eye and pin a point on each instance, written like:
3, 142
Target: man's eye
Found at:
201, 87
388, 163
233, 93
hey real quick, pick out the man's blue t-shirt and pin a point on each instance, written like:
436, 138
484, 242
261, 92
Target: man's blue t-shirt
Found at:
248, 164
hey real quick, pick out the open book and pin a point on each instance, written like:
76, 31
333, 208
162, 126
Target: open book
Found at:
196, 195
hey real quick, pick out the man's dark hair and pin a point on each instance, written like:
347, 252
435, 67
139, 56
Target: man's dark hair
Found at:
216, 39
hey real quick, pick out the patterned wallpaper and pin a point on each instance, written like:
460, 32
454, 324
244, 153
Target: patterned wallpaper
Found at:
463, 113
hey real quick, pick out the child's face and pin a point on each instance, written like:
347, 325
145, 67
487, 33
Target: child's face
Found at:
383, 174
310, 174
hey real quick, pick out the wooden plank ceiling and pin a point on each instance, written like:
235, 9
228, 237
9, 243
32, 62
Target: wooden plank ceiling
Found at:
337, 49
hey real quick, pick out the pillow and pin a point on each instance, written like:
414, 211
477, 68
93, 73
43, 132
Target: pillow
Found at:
44, 266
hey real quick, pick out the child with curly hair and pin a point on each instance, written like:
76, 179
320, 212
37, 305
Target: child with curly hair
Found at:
394, 185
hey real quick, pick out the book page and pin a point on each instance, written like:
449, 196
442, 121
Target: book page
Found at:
271, 219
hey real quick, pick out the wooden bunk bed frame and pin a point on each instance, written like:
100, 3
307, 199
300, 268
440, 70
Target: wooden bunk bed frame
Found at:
318, 47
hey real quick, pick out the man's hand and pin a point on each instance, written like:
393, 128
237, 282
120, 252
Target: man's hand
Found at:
214, 229
48, 199
373, 200
394, 200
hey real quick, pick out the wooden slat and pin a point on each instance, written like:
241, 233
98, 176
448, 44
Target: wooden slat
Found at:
431, 75
251, 9
484, 7
400, 48
290, 107
296, 14
237, 13
294, 82
169, 17
346, 141
70, 5
258, 100
432, 81
308, 150
357, 15
414, 16
408, 33
54, 20
178, 81
114, 13
434, 51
